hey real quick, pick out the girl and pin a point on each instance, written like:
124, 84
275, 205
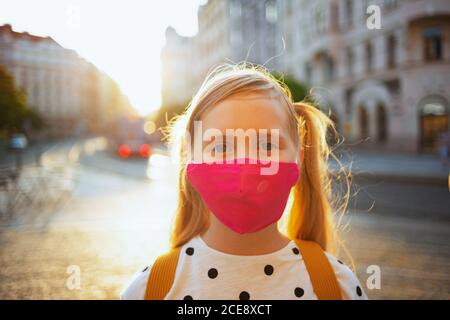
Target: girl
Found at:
225, 241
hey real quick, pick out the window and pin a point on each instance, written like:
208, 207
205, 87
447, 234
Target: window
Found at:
334, 16
434, 121
271, 12
348, 7
391, 51
328, 68
350, 61
382, 123
235, 9
369, 57
390, 5
432, 43
289, 7
308, 73
320, 22
363, 123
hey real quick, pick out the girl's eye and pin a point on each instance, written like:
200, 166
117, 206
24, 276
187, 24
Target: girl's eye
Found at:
221, 148
267, 146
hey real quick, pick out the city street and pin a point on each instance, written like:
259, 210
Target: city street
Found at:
118, 220
90, 94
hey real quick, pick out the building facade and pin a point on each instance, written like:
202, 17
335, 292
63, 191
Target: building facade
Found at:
71, 95
178, 66
48, 74
228, 31
387, 87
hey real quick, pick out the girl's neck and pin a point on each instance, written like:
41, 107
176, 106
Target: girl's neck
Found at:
265, 241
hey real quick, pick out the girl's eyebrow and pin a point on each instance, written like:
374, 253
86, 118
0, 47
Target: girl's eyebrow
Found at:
281, 137
279, 134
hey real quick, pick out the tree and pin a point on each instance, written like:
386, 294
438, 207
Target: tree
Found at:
298, 90
14, 113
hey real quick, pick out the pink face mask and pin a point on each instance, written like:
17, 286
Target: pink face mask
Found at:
239, 196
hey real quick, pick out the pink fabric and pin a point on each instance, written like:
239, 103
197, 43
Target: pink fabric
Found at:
239, 196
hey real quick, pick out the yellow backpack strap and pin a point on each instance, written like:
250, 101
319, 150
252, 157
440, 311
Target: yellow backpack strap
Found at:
162, 275
323, 278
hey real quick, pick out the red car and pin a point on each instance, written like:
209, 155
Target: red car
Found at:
134, 149
130, 139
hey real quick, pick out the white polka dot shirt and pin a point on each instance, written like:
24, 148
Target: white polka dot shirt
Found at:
204, 273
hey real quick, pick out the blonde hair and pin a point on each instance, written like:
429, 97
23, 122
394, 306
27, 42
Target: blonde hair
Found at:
310, 217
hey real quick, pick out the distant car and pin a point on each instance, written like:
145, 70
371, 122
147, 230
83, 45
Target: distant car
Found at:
18, 141
130, 139
134, 148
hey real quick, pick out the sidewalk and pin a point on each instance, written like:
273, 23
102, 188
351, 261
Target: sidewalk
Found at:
33, 153
29, 155
392, 166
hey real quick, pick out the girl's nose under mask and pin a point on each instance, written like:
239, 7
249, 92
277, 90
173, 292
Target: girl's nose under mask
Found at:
239, 196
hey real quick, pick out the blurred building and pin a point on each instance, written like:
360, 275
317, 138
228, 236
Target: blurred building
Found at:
388, 87
48, 74
179, 69
71, 94
228, 31
103, 101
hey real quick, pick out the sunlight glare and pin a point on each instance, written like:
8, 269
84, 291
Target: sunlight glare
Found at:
122, 38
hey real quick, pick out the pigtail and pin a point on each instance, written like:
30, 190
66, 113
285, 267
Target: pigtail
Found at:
191, 219
192, 216
310, 217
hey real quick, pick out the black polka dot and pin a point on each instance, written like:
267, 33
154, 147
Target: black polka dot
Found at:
268, 270
212, 273
299, 292
340, 262
188, 297
190, 251
145, 269
358, 291
295, 250
244, 295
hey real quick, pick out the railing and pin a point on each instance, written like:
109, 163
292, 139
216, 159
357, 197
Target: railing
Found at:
36, 191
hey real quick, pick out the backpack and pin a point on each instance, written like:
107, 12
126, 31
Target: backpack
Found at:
321, 273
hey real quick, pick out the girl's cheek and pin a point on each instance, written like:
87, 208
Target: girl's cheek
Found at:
284, 157
287, 155
275, 155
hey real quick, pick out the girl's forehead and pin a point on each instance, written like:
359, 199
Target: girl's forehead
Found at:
249, 111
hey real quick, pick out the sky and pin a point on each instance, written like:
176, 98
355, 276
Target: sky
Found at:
123, 38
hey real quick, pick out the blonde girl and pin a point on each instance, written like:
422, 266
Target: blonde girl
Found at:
228, 241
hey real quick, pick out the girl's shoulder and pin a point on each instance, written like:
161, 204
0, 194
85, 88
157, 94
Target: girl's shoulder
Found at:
135, 289
351, 287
